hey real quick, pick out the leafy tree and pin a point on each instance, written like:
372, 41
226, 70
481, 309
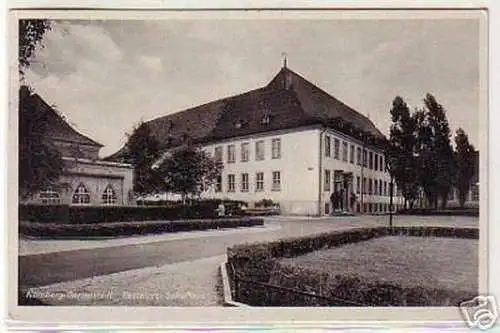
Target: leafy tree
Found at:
446, 164
31, 33
426, 158
465, 157
40, 163
402, 146
142, 151
188, 170
437, 166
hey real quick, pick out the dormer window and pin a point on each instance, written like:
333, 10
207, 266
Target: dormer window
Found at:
266, 119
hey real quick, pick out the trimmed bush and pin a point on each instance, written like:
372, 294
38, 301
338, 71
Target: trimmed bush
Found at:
347, 290
468, 233
99, 214
441, 212
265, 203
259, 272
44, 213
56, 230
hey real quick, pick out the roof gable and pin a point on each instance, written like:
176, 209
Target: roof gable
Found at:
58, 128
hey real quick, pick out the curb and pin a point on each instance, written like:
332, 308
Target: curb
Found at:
226, 289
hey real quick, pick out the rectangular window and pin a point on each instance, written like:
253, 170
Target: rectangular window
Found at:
327, 183
259, 181
244, 182
345, 151
231, 154
380, 188
351, 157
259, 150
245, 154
376, 162
364, 185
218, 154
385, 188
370, 186
276, 181
336, 153
358, 150
328, 147
370, 161
230, 183
218, 184
382, 166
358, 184
276, 148
375, 188
365, 158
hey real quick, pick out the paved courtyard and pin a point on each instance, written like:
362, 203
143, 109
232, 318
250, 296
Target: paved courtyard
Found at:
171, 269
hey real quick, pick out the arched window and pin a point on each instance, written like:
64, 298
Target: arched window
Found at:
81, 195
50, 196
109, 196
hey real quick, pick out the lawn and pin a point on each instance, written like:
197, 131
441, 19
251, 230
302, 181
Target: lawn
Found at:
433, 262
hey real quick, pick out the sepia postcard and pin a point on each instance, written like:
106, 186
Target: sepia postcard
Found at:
256, 167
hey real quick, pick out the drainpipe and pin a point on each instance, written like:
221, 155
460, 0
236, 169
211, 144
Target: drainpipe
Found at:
320, 171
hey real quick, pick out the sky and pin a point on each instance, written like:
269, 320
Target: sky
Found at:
107, 76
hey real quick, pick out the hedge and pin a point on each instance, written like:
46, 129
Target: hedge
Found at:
260, 263
57, 230
349, 290
99, 214
441, 212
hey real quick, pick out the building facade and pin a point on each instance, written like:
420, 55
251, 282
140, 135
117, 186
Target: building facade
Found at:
301, 169
289, 142
85, 180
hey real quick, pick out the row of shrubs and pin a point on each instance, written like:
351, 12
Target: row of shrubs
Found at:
456, 211
343, 290
259, 264
191, 202
264, 203
97, 214
65, 231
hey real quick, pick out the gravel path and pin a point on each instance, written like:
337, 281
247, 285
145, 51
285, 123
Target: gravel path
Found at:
189, 283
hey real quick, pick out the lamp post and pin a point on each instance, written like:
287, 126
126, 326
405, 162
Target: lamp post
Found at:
389, 165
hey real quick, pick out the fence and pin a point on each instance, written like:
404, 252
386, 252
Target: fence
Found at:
267, 294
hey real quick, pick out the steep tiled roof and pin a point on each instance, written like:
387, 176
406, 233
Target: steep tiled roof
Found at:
288, 101
58, 128
319, 104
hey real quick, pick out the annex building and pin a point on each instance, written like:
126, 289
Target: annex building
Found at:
86, 179
290, 142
